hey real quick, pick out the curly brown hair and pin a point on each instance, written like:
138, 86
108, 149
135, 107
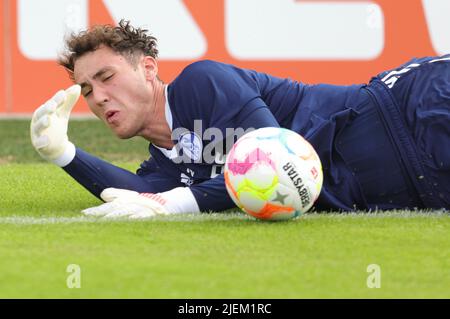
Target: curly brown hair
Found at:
123, 39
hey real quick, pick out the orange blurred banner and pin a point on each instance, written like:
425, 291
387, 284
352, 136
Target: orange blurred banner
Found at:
340, 42
2, 62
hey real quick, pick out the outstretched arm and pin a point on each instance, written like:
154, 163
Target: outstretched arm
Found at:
210, 195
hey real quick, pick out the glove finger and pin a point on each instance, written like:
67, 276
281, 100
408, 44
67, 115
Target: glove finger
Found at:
142, 215
100, 210
130, 210
41, 124
118, 213
45, 109
109, 194
59, 97
71, 97
92, 211
41, 142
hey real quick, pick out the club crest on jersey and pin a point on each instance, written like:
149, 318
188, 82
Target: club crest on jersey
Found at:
191, 145
188, 178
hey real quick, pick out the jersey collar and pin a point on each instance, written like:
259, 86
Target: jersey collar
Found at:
172, 153
168, 112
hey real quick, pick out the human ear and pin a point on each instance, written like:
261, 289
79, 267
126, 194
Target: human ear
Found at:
150, 68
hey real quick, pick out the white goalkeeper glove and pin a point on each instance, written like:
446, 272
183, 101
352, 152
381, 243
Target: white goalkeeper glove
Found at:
49, 125
122, 203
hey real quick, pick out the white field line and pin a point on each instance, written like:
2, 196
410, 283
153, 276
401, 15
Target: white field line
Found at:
32, 220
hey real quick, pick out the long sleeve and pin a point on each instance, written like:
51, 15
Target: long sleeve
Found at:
212, 195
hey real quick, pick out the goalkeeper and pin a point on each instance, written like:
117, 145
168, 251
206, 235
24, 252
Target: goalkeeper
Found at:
383, 145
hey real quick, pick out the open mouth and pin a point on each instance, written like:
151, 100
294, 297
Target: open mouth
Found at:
111, 116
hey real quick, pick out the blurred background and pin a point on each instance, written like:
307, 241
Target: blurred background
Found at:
339, 42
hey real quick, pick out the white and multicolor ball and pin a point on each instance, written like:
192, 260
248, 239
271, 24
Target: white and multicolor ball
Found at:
273, 174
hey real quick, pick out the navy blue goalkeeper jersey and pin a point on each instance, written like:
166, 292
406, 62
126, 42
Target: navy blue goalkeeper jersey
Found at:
383, 145
210, 97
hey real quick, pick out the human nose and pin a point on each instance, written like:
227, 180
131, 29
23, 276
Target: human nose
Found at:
100, 96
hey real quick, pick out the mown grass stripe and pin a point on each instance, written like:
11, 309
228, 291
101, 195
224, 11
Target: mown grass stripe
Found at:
32, 220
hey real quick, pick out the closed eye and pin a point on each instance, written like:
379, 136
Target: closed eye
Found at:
86, 93
108, 77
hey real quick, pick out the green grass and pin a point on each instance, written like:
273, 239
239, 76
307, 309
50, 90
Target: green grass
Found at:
90, 135
224, 255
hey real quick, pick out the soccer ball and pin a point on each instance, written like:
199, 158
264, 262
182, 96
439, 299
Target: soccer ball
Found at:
273, 173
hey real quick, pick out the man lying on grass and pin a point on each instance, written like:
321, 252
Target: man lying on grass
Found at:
383, 145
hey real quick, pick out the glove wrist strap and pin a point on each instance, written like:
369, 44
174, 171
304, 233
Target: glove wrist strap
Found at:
66, 157
180, 200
